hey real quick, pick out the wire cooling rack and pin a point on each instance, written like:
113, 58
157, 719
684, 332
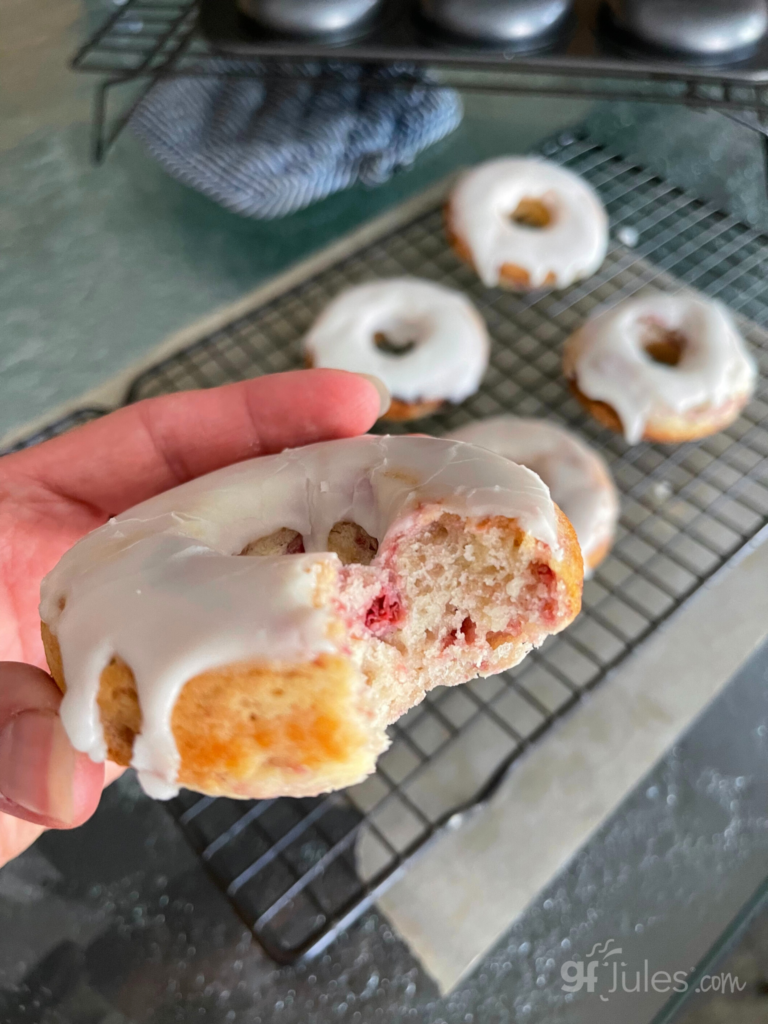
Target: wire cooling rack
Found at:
298, 871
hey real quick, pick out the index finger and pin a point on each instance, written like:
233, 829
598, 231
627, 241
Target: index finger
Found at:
143, 449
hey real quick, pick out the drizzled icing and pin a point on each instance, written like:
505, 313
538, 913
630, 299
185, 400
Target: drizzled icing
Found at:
608, 360
163, 588
571, 246
450, 342
577, 476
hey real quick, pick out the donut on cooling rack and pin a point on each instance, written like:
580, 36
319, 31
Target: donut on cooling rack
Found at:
577, 476
426, 342
525, 223
253, 632
661, 367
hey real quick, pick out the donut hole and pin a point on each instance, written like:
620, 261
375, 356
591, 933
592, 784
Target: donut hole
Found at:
282, 542
384, 343
531, 213
352, 543
400, 336
661, 344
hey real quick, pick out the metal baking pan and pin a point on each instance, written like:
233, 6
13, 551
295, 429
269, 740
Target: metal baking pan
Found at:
595, 38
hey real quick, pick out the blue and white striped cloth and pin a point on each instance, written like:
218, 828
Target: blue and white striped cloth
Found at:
267, 148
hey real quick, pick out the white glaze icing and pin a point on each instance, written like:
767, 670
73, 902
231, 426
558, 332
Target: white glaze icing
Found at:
608, 360
577, 476
162, 586
574, 243
451, 341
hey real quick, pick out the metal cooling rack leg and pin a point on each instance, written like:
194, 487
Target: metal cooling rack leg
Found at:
104, 131
98, 126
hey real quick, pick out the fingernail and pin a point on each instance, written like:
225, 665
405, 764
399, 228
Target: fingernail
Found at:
37, 765
385, 399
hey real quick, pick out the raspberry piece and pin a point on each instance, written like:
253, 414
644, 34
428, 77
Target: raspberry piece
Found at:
384, 614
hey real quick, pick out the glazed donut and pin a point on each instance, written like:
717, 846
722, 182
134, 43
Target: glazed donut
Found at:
253, 632
577, 476
661, 367
524, 223
427, 343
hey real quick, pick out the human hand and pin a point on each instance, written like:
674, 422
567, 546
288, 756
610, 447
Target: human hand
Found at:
53, 494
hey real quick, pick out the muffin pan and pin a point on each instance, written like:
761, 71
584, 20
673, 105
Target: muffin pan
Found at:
590, 36
496, 22
330, 20
705, 29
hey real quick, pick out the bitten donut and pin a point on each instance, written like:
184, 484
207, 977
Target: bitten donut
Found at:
524, 223
577, 476
427, 343
253, 632
661, 367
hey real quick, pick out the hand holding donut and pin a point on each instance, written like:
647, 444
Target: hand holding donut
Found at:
52, 495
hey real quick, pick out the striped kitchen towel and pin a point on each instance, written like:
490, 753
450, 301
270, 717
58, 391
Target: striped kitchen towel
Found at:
267, 146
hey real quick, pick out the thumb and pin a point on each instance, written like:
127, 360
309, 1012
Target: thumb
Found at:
43, 779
